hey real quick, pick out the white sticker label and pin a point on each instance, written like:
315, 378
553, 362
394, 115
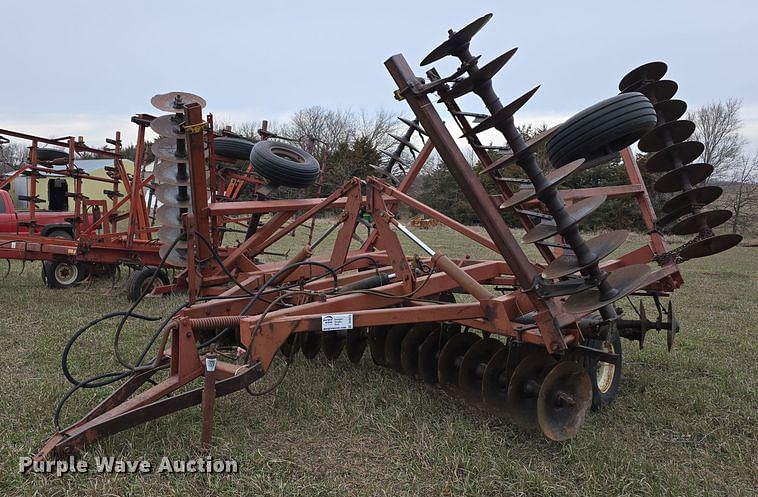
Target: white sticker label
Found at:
332, 322
210, 363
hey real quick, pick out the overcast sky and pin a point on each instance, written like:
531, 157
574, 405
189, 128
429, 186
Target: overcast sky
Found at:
84, 67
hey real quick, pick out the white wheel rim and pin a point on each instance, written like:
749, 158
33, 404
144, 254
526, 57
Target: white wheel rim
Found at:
605, 371
66, 274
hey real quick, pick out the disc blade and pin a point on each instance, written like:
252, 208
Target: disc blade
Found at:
658, 91
700, 196
601, 247
524, 387
413, 124
471, 370
405, 142
310, 344
332, 344
355, 344
451, 356
169, 216
553, 179
166, 148
427, 357
167, 173
503, 114
483, 75
576, 212
670, 110
564, 399
291, 346
700, 221
168, 126
457, 41
409, 348
167, 234
392, 346
174, 101
673, 329
624, 281
658, 138
710, 246
498, 373
652, 71
177, 257
531, 145
673, 181
173, 196
676, 155
521, 196
377, 335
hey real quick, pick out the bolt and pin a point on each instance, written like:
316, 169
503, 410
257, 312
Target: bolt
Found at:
562, 399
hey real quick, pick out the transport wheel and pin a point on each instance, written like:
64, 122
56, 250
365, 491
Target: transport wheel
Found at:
60, 234
283, 164
605, 128
605, 376
233, 148
139, 282
61, 274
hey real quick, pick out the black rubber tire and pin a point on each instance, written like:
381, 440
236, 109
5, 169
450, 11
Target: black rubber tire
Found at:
59, 233
51, 154
50, 269
600, 398
233, 148
606, 127
283, 164
138, 279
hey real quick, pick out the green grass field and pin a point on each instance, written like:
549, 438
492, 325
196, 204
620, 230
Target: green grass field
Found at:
683, 424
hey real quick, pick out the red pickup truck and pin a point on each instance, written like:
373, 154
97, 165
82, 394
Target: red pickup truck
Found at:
48, 223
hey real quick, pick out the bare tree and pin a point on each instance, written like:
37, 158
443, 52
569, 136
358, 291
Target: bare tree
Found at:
12, 154
742, 193
718, 126
328, 127
375, 129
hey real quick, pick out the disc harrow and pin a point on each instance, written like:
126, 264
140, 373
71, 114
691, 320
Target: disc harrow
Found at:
538, 342
673, 154
395, 157
565, 219
172, 174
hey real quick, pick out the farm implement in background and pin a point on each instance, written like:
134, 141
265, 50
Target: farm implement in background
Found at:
536, 341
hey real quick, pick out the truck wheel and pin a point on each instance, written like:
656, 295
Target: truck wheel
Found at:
139, 282
605, 377
62, 274
60, 234
606, 127
283, 164
233, 148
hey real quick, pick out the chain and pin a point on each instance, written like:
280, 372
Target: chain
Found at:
673, 255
